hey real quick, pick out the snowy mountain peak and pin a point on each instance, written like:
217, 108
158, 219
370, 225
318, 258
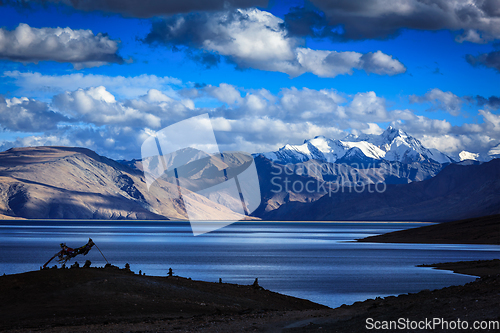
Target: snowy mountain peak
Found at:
392, 145
367, 148
392, 133
318, 138
465, 155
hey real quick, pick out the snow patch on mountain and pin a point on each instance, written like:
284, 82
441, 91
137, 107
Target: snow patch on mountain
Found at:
368, 149
465, 155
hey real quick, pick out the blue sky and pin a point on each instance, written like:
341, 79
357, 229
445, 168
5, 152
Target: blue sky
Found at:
106, 74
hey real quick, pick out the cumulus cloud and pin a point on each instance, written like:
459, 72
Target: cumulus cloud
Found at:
453, 144
99, 107
121, 86
163, 107
267, 133
80, 47
424, 125
448, 144
291, 105
491, 60
491, 122
331, 63
257, 39
305, 104
37, 140
368, 107
372, 129
446, 101
440, 134
150, 8
243, 119
476, 21
250, 38
225, 93
119, 142
325, 107
28, 115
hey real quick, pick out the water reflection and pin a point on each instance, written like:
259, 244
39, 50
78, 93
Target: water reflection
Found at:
317, 261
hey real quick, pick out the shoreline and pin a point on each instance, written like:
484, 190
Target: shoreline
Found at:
269, 311
11, 218
116, 300
479, 268
482, 230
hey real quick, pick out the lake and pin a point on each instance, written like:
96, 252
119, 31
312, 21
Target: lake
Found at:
316, 261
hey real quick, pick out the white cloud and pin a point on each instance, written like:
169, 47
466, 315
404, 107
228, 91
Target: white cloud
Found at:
477, 21
251, 120
372, 129
163, 109
99, 107
28, 115
121, 86
331, 63
440, 134
446, 101
381, 63
80, 47
311, 105
37, 140
225, 93
423, 125
368, 107
454, 144
447, 144
252, 38
492, 121
267, 133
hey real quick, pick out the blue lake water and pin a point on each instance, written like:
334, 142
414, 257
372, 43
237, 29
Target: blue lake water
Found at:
315, 261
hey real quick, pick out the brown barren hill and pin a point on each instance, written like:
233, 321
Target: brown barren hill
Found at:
84, 296
482, 230
77, 183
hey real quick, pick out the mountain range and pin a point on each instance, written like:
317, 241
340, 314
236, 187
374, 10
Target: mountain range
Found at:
457, 192
393, 145
77, 183
391, 176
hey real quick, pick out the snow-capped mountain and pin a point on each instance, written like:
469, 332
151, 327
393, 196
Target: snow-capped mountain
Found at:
492, 154
467, 155
392, 145
323, 149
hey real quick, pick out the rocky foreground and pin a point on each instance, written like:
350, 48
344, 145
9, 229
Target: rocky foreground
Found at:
53, 298
117, 300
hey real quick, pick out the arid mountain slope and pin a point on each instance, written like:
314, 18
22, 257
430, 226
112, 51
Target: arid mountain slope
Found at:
457, 192
65, 182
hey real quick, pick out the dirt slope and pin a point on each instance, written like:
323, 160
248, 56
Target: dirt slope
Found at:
93, 295
76, 183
